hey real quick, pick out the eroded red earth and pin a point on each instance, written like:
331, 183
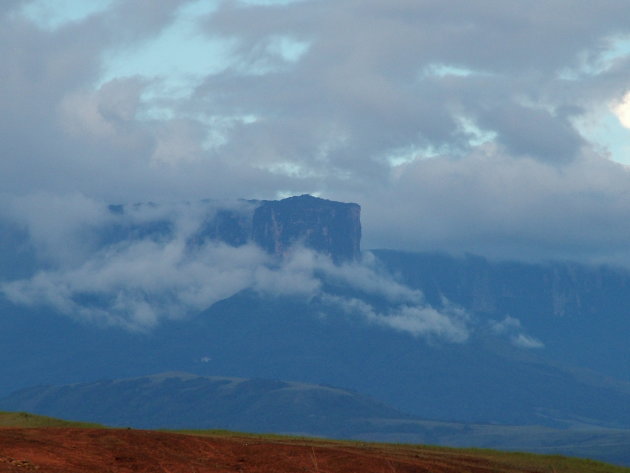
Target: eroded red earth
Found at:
71, 450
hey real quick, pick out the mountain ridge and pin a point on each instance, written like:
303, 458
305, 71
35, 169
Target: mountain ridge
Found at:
328, 227
443, 338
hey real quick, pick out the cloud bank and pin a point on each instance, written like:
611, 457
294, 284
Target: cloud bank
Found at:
137, 266
459, 126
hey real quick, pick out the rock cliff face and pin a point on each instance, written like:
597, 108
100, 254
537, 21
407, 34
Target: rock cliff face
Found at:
231, 226
328, 227
332, 228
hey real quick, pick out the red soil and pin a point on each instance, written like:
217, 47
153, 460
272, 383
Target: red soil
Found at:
71, 450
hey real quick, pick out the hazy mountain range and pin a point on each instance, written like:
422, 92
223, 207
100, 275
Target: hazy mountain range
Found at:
278, 291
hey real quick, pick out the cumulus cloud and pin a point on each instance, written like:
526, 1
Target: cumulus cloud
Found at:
106, 113
460, 124
362, 74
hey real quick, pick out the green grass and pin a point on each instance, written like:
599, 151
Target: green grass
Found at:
546, 463
517, 460
26, 420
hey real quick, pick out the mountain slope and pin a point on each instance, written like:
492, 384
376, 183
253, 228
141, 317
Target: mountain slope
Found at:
578, 312
251, 336
481, 380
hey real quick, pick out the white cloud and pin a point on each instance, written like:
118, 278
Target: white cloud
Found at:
53, 14
449, 324
137, 285
58, 225
491, 204
102, 113
253, 99
622, 110
370, 279
132, 270
506, 325
525, 341
512, 328
145, 264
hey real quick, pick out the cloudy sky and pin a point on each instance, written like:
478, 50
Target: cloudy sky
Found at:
489, 126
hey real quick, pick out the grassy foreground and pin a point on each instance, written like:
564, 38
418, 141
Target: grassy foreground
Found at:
26, 420
512, 461
506, 461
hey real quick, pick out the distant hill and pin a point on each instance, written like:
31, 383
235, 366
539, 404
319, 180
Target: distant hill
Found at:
484, 380
185, 401
181, 400
458, 340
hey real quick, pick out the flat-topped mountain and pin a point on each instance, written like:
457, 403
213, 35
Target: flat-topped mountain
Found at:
329, 227
446, 338
186, 401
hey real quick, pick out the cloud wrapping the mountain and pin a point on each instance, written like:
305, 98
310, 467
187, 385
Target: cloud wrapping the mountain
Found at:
140, 284
458, 126
525, 341
511, 328
447, 324
143, 265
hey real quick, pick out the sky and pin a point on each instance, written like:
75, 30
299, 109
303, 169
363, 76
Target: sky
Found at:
489, 127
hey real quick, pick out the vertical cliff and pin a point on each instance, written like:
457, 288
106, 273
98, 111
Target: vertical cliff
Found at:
332, 228
328, 227
231, 226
